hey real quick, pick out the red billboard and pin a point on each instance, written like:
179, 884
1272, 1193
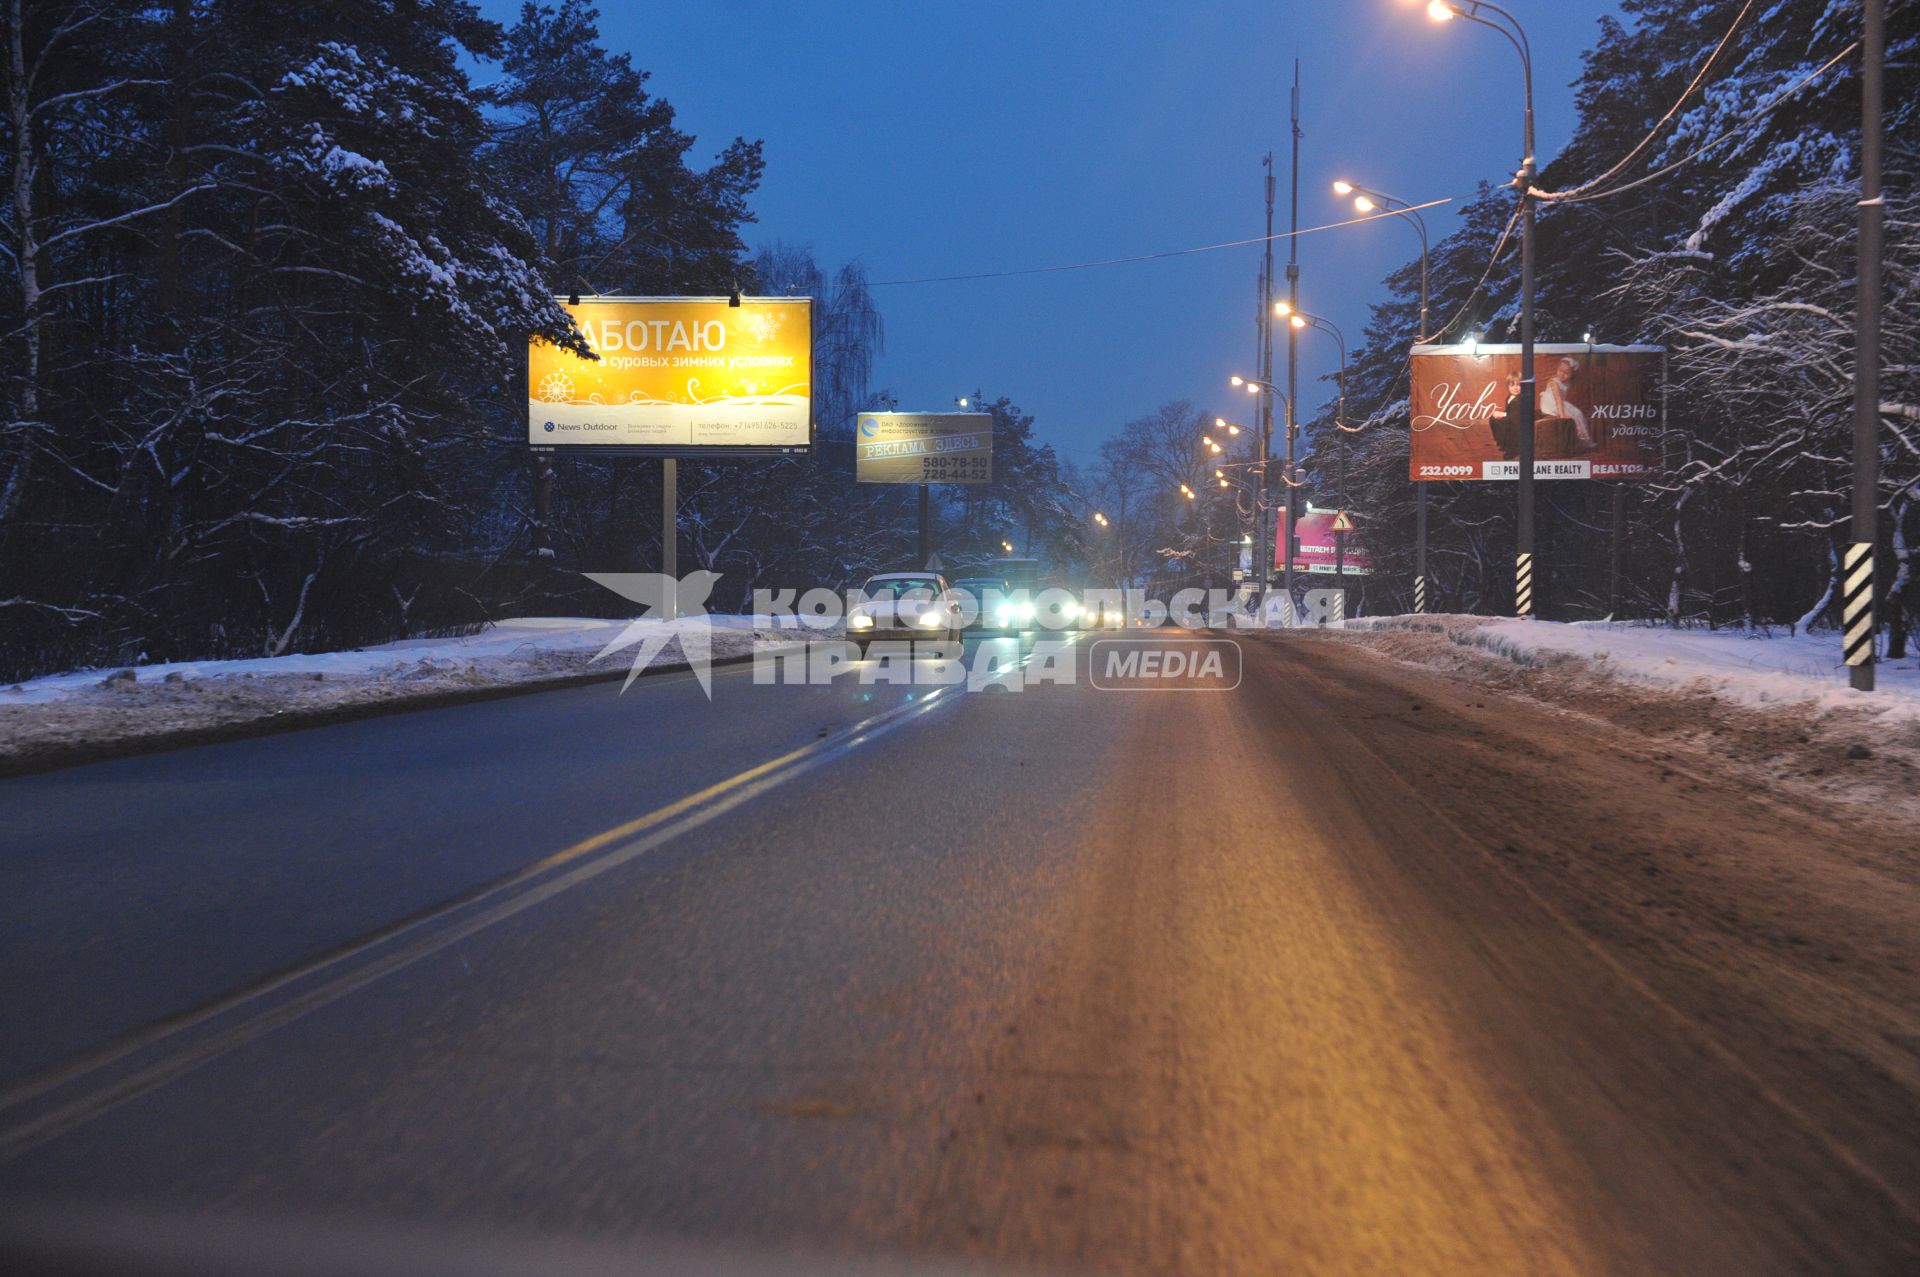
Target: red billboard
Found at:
1601, 412
1319, 550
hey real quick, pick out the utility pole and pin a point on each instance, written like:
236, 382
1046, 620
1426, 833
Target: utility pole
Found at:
1523, 557
1856, 598
1293, 334
1263, 359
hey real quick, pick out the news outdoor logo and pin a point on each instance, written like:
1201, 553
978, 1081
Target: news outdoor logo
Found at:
801, 637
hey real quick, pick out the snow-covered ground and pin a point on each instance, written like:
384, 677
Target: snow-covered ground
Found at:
505, 651
1778, 669
95, 713
1755, 670
1776, 711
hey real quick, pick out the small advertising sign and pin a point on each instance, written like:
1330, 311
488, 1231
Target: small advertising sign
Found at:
923, 447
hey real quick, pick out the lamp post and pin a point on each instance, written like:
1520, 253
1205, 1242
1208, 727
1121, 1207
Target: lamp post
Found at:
1300, 319
1254, 386
1366, 200
1509, 26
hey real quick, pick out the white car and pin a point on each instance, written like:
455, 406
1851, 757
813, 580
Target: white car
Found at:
904, 605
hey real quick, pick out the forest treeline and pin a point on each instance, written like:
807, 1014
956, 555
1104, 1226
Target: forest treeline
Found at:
1740, 260
267, 273
267, 276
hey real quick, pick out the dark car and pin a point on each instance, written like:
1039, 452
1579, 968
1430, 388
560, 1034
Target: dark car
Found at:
987, 603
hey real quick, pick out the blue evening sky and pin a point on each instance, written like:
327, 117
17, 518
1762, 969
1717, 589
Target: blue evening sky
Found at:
937, 139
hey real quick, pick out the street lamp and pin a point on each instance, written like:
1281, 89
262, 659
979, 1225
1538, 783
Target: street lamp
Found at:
1302, 319
1254, 387
1366, 200
1509, 26
1223, 424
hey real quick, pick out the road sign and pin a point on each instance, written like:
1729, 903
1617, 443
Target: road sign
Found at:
923, 447
1341, 523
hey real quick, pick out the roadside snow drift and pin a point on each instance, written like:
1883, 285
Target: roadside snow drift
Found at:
1760, 670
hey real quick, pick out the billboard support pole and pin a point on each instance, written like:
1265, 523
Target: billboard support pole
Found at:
543, 506
1619, 540
1856, 599
669, 529
925, 505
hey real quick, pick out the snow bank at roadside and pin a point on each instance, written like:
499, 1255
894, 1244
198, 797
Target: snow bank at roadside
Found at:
505, 651
97, 713
1780, 669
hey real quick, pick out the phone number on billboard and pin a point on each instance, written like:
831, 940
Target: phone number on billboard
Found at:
952, 469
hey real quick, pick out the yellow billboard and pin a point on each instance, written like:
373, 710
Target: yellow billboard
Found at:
677, 374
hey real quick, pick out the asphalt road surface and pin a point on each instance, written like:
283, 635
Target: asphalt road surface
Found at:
1346, 969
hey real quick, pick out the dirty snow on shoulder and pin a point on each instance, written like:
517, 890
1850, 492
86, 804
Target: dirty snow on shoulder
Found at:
505, 651
1759, 669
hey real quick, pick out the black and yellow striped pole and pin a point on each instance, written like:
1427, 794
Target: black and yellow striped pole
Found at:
1856, 608
1856, 611
1523, 585
1419, 594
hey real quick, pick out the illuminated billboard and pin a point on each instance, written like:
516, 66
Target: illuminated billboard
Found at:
1600, 412
678, 376
1318, 546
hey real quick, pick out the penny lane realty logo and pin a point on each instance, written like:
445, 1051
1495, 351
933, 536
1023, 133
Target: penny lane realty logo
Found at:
653, 631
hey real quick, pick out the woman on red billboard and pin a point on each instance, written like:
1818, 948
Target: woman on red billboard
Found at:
1504, 422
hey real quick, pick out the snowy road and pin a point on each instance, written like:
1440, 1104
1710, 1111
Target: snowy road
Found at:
1350, 969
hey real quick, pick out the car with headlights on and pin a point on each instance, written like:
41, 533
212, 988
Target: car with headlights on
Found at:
904, 605
990, 605
1103, 610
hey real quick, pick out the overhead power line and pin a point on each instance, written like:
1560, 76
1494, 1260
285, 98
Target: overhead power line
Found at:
1654, 132
1473, 295
1154, 257
1765, 108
